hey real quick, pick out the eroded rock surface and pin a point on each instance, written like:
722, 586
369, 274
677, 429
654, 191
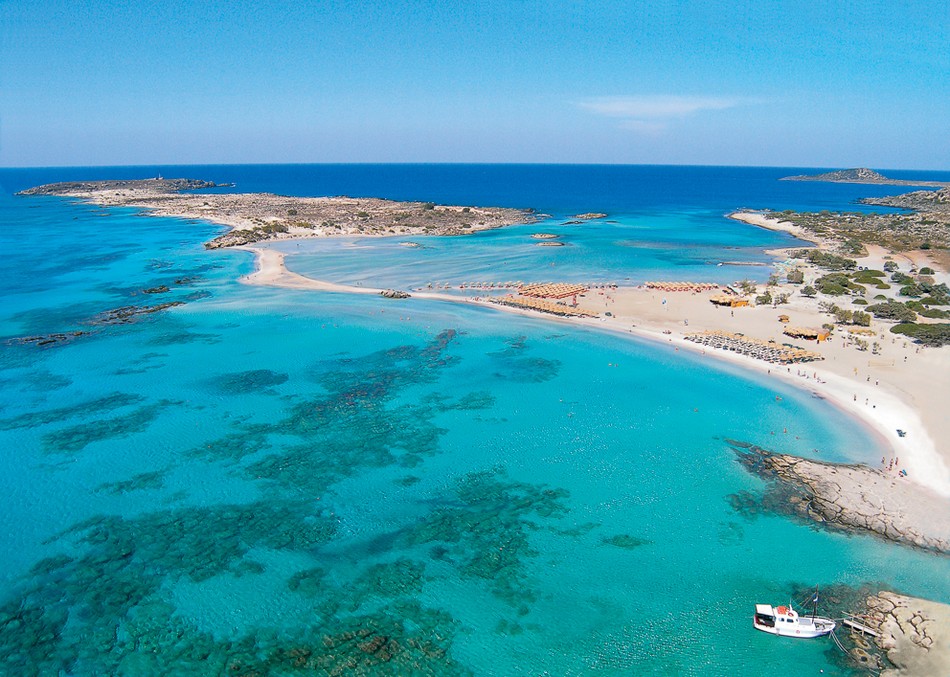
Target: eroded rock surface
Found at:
853, 498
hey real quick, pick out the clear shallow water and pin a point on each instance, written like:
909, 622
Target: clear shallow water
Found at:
623, 249
249, 480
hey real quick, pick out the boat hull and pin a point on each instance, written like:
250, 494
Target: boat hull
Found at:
819, 628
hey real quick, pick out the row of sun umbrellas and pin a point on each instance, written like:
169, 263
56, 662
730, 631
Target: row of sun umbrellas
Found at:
541, 305
682, 286
769, 351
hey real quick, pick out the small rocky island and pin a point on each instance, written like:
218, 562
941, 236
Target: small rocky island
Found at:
257, 217
862, 175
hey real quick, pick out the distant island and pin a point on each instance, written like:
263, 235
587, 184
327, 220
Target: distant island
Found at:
259, 217
862, 175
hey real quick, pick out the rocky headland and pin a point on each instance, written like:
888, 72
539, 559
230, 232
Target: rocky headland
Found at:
929, 201
258, 217
862, 175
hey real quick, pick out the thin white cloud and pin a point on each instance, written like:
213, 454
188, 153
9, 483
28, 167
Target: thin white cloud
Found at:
651, 113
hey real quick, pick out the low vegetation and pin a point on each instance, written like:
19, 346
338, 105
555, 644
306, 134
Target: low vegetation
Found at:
925, 334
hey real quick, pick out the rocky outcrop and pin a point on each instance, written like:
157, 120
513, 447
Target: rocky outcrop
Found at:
851, 498
394, 294
914, 633
920, 200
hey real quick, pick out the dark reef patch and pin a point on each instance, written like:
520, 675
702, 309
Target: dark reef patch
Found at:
515, 365
183, 337
77, 437
483, 530
37, 381
105, 611
140, 482
251, 381
235, 446
625, 541
94, 407
108, 606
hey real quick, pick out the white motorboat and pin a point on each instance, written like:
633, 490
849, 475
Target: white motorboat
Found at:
786, 622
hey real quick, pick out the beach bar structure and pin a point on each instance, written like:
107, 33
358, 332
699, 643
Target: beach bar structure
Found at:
729, 301
807, 333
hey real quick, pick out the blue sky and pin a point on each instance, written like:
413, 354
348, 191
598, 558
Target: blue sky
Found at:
834, 84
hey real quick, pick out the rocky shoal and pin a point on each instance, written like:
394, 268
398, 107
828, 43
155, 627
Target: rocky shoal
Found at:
853, 498
914, 633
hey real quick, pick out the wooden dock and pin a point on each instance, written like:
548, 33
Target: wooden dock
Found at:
860, 627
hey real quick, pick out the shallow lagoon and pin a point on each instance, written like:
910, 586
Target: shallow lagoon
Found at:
265, 479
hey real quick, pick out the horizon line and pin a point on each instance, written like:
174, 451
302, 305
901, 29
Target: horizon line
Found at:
461, 164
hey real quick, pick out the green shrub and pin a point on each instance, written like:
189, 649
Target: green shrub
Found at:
795, 276
837, 284
901, 278
830, 261
843, 316
926, 270
860, 302
868, 277
893, 310
925, 334
860, 318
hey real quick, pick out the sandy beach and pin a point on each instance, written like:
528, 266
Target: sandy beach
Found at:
882, 390
762, 221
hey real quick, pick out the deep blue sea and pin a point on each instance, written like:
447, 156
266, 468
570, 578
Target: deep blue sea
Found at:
252, 481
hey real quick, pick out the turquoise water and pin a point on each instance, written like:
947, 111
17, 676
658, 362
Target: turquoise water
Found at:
269, 481
620, 248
